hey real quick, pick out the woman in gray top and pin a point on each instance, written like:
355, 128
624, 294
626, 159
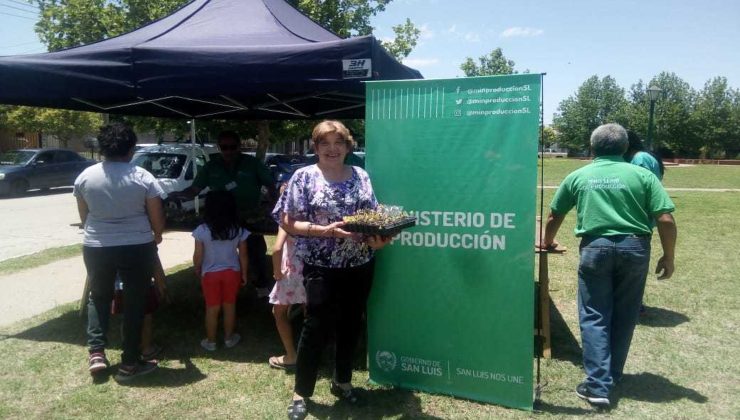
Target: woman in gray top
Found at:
120, 206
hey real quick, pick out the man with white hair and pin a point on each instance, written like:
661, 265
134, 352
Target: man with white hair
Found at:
615, 203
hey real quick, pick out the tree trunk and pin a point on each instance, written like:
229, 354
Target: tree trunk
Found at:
263, 138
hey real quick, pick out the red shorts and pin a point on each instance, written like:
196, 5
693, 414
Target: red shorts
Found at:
221, 287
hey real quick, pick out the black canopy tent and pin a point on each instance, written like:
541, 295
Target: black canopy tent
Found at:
225, 59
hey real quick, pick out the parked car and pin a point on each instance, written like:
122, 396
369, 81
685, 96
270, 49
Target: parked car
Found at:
26, 169
174, 165
283, 166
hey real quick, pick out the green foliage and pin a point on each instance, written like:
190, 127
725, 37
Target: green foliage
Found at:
406, 36
716, 118
71, 23
343, 17
64, 124
597, 101
549, 136
673, 127
488, 65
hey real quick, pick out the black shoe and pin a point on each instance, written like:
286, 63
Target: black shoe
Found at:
348, 395
584, 394
297, 410
129, 372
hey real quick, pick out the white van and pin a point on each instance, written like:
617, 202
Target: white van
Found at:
172, 165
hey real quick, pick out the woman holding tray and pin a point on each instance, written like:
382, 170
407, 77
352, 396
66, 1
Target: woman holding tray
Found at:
338, 265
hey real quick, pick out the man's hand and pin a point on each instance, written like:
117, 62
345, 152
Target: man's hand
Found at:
244, 279
157, 238
664, 268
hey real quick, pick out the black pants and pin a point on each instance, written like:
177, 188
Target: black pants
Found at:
135, 264
256, 250
337, 298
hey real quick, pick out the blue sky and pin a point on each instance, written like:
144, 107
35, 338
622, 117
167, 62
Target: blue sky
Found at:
568, 40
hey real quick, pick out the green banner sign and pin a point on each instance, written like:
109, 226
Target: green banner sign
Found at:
453, 300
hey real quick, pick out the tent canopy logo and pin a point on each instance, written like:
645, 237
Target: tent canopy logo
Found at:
356, 68
386, 360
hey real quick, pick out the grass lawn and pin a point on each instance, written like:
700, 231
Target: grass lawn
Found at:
689, 176
683, 362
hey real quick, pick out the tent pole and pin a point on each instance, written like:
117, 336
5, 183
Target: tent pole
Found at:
196, 201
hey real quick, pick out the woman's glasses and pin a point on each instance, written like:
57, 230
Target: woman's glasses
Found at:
228, 147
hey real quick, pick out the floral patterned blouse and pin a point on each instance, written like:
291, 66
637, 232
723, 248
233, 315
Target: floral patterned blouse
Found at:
309, 197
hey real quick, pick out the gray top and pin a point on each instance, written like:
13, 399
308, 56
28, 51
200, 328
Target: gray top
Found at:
116, 193
219, 255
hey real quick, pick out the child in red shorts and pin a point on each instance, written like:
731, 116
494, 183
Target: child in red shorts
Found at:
220, 260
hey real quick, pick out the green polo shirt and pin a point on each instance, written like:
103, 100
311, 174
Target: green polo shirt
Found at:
612, 197
244, 180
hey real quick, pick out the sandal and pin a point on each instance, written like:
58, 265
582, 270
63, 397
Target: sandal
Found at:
275, 362
297, 410
350, 396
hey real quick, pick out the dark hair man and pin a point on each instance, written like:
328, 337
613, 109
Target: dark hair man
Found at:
615, 204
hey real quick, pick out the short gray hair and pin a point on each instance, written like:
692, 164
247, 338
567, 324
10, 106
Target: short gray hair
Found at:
609, 139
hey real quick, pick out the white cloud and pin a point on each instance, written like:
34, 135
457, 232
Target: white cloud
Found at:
472, 37
426, 33
420, 62
452, 29
518, 31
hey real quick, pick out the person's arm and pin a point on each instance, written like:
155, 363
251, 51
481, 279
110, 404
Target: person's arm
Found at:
82, 209
668, 234
155, 212
266, 179
332, 230
554, 221
198, 258
243, 262
277, 254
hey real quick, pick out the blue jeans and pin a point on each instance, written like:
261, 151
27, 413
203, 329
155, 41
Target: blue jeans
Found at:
611, 280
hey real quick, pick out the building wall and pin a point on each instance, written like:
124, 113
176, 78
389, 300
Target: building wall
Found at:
11, 140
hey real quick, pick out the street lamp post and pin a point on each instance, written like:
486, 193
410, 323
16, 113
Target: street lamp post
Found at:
653, 94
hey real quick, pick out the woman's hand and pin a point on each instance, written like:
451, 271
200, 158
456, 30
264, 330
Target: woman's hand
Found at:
334, 230
376, 241
277, 274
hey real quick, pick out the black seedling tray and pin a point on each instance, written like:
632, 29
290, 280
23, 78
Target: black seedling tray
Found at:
386, 230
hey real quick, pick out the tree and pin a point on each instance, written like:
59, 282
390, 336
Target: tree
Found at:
493, 63
65, 24
65, 125
673, 129
549, 136
715, 118
406, 36
597, 101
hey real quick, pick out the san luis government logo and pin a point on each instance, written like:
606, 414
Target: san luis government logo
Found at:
386, 360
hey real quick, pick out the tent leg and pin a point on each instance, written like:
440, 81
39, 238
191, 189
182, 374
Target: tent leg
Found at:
196, 200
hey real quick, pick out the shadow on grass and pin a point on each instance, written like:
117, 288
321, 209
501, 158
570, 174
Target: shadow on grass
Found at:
653, 388
544, 407
564, 344
379, 403
659, 317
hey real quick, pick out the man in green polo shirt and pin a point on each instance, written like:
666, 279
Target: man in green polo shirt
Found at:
244, 176
615, 204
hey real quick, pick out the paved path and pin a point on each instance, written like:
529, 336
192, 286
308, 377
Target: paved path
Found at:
32, 292
38, 221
